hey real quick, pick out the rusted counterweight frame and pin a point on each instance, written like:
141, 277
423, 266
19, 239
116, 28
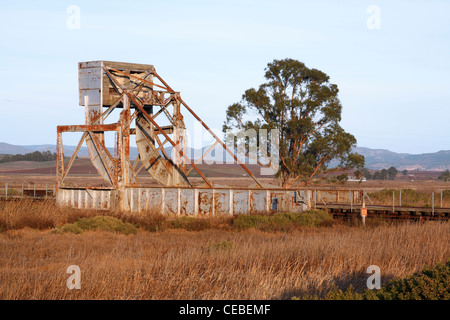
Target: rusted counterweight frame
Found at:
170, 90
150, 118
87, 130
118, 127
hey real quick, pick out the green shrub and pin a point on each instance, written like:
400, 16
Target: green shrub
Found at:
12, 192
429, 284
283, 221
314, 218
151, 222
250, 221
98, 223
69, 228
189, 223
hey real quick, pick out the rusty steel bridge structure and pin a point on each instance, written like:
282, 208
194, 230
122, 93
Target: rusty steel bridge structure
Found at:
158, 112
144, 97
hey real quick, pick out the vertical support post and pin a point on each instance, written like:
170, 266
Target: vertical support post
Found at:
163, 200
231, 202
125, 141
393, 201
315, 198
248, 201
400, 201
363, 211
351, 200
432, 203
178, 201
267, 201
179, 136
213, 209
195, 201
6, 191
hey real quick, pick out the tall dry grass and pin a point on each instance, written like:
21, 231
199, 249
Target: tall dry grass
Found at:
41, 215
214, 263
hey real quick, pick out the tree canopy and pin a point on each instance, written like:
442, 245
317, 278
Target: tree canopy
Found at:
303, 105
444, 176
32, 156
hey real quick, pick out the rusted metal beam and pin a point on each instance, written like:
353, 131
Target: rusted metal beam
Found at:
139, 106
203, 155
167, 129
212, 133
222, 143
59, 158
170, 90
108, 111
151, 155
143, 80
97, 147
74, 155
92, 128
209, 183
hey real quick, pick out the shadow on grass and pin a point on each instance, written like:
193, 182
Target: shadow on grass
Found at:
355, 280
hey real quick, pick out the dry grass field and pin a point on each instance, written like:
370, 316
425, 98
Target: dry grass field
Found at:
213, 260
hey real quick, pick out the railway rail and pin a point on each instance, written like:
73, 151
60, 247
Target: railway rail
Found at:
340, 210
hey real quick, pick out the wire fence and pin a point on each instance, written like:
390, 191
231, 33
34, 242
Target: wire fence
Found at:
389, 198
27, 190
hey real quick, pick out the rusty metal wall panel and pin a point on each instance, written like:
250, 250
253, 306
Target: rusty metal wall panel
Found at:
134, 198
80, 199
84, 199
141, 199
76, 198
105, 197
90, 82
222, 202
90, 64
187, 201
125, 196
171, 201
240, 201
258, 201
182, 201
153, 200
95, 199
206, 202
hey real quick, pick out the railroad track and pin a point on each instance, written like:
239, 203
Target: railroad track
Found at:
411, 213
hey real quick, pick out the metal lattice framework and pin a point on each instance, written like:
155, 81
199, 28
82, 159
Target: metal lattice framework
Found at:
143, 96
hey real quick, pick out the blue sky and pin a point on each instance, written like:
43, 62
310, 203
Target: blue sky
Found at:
394, 81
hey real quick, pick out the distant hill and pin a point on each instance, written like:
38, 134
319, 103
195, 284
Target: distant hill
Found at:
383, 159
6, 148
375, 158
